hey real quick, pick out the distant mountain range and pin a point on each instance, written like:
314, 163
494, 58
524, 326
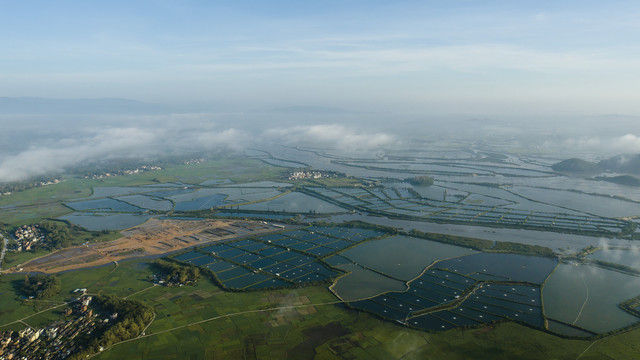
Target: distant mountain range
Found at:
34, 105
625, 164
311, 110
44, 106
576, 165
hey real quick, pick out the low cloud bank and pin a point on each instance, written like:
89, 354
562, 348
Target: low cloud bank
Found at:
626, 144
331, 136
114, 143
173, 138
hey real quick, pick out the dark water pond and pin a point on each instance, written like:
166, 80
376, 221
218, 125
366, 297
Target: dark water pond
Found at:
401, 256
588, 296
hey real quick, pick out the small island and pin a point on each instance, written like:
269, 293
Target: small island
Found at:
576, 166
423, 180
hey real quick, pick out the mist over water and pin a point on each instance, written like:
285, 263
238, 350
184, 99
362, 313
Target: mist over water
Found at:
40, 144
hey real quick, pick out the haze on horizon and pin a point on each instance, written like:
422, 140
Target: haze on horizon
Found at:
351, 75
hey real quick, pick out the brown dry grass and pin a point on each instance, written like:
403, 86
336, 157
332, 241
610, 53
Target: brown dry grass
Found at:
155, 237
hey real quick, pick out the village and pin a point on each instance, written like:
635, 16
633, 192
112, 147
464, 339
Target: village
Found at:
9, 189
194, 161
58, 340
312, 174
27, 237
138, 170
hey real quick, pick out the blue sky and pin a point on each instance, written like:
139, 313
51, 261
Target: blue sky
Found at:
467, 57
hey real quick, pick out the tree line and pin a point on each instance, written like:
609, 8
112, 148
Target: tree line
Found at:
132, 318
174, 273
40, 286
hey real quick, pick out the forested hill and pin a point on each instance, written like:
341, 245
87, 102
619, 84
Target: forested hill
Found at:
625, 164
576, 166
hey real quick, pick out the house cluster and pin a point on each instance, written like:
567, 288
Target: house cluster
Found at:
56, 341
9, 190
138, 170
27, 237
159, 279
45, 183
194, 161
164, 280
311, 174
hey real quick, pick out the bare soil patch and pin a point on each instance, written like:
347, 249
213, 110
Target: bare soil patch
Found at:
155, 237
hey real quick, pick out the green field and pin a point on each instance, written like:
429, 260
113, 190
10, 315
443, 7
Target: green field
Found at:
33, 205
202, 321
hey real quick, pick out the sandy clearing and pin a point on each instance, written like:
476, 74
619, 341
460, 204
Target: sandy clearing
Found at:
155, 237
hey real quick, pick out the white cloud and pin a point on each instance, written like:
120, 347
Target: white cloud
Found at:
111, 143
333, 136
628, 143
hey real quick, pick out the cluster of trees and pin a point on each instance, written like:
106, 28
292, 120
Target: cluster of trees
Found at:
57, 234
627, 180
629, 164
40, 286
629, 228
632, 306
133, 317
21, 186
615, 267
523, 249
423, 180
473, 243
175, 273
60, 234
485, 245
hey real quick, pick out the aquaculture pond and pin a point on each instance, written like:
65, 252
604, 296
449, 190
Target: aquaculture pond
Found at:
421, 304
628, 257
590, 186
497, 266
382, 201
168, 193
241, 214
361, 283
495, 192
212, 182
264, 184
246, 194
402, 257
474, 289
598, 205
436, 192
587, 296
488, 304
285, 163
201, 203
105, 191
221, 196
103, 205
105, 221
562, 243
295, 202
147, 202
278, 259
485, 200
